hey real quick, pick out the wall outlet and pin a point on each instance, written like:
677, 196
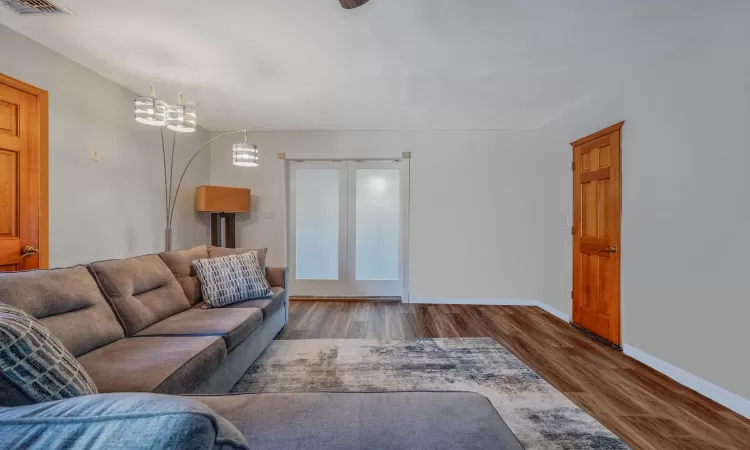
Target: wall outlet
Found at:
268, 215
94, 155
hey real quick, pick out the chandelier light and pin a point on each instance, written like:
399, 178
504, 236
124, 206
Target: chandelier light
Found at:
181, 118
245, 154
151, 110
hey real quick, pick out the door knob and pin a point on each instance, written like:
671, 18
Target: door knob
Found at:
610, 249
28, 251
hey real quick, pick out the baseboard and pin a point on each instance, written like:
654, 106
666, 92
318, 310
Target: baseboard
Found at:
719, 395
309, 298
491, 302
555, 312
474, 301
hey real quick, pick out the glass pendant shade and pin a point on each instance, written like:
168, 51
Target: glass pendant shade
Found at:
181, 118
150, 111
245, 155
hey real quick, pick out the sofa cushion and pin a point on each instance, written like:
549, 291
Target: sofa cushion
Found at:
180, 262
398, 420
142, 290
218, 252
165, 365
267, 305
62, 300
35, 364
118, 421
233, 325
231, 279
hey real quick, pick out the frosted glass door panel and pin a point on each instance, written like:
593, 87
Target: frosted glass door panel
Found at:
345, 228
317, 224
378, 208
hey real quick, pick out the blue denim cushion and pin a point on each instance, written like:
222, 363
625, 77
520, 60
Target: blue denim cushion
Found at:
130, 421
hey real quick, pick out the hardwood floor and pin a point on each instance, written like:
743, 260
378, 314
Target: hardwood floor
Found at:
645, 408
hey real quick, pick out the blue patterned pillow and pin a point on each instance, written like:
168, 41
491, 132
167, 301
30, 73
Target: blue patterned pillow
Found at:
36, 363
231, 279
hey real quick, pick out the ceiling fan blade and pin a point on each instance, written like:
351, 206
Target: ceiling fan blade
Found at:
351, 4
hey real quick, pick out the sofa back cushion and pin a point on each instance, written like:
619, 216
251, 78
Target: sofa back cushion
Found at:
180, 263
67, 302
142, 290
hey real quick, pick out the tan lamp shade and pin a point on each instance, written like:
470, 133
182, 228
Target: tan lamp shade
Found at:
222, 199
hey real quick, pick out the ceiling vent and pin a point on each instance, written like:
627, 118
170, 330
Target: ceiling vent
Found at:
36, 7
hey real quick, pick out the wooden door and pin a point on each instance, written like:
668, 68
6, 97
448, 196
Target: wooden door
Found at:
23, 176
596, 233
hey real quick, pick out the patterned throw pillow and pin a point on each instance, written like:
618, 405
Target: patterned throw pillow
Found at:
36, 363
231, 279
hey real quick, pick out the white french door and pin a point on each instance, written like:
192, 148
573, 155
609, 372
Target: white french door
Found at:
346, 228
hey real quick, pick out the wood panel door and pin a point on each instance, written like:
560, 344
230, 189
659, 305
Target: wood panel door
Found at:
596, 233
23, 177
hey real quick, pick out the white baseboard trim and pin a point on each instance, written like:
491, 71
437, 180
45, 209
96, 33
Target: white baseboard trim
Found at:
474, 301
555, 312
719, 395
491, 302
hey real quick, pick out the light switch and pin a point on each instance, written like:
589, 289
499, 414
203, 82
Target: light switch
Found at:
268, 215
94, 155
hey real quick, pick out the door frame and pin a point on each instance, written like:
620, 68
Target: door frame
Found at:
617, 178
41, 146
285, 171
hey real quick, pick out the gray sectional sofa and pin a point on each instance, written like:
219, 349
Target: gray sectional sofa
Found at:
136, 325
132, 327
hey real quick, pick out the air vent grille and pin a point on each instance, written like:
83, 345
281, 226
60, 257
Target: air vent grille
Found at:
35, 7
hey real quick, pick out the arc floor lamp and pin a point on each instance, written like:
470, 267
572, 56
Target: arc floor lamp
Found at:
182, 118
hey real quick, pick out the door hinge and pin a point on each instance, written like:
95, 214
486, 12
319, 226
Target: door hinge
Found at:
573, 230
571, 294
573, 166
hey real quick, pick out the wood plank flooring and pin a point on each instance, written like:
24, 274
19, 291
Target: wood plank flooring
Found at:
645, 408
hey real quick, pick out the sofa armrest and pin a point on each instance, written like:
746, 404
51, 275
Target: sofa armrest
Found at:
278, 277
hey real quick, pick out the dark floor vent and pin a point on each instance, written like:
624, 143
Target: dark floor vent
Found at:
36, 7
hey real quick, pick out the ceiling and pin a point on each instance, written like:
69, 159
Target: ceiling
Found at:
388, 65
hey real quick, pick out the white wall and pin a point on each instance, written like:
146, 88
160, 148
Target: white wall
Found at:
490, 211
475, 203
112, 208
686, 203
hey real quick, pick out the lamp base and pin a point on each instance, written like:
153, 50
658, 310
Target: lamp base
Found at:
168, 240
222, 230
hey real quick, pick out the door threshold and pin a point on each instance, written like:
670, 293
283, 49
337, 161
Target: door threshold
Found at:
596, 337
345, 299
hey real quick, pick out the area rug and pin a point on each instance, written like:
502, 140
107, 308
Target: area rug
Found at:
539, 415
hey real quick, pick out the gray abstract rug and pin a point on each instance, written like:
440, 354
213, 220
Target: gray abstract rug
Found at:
537, 413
